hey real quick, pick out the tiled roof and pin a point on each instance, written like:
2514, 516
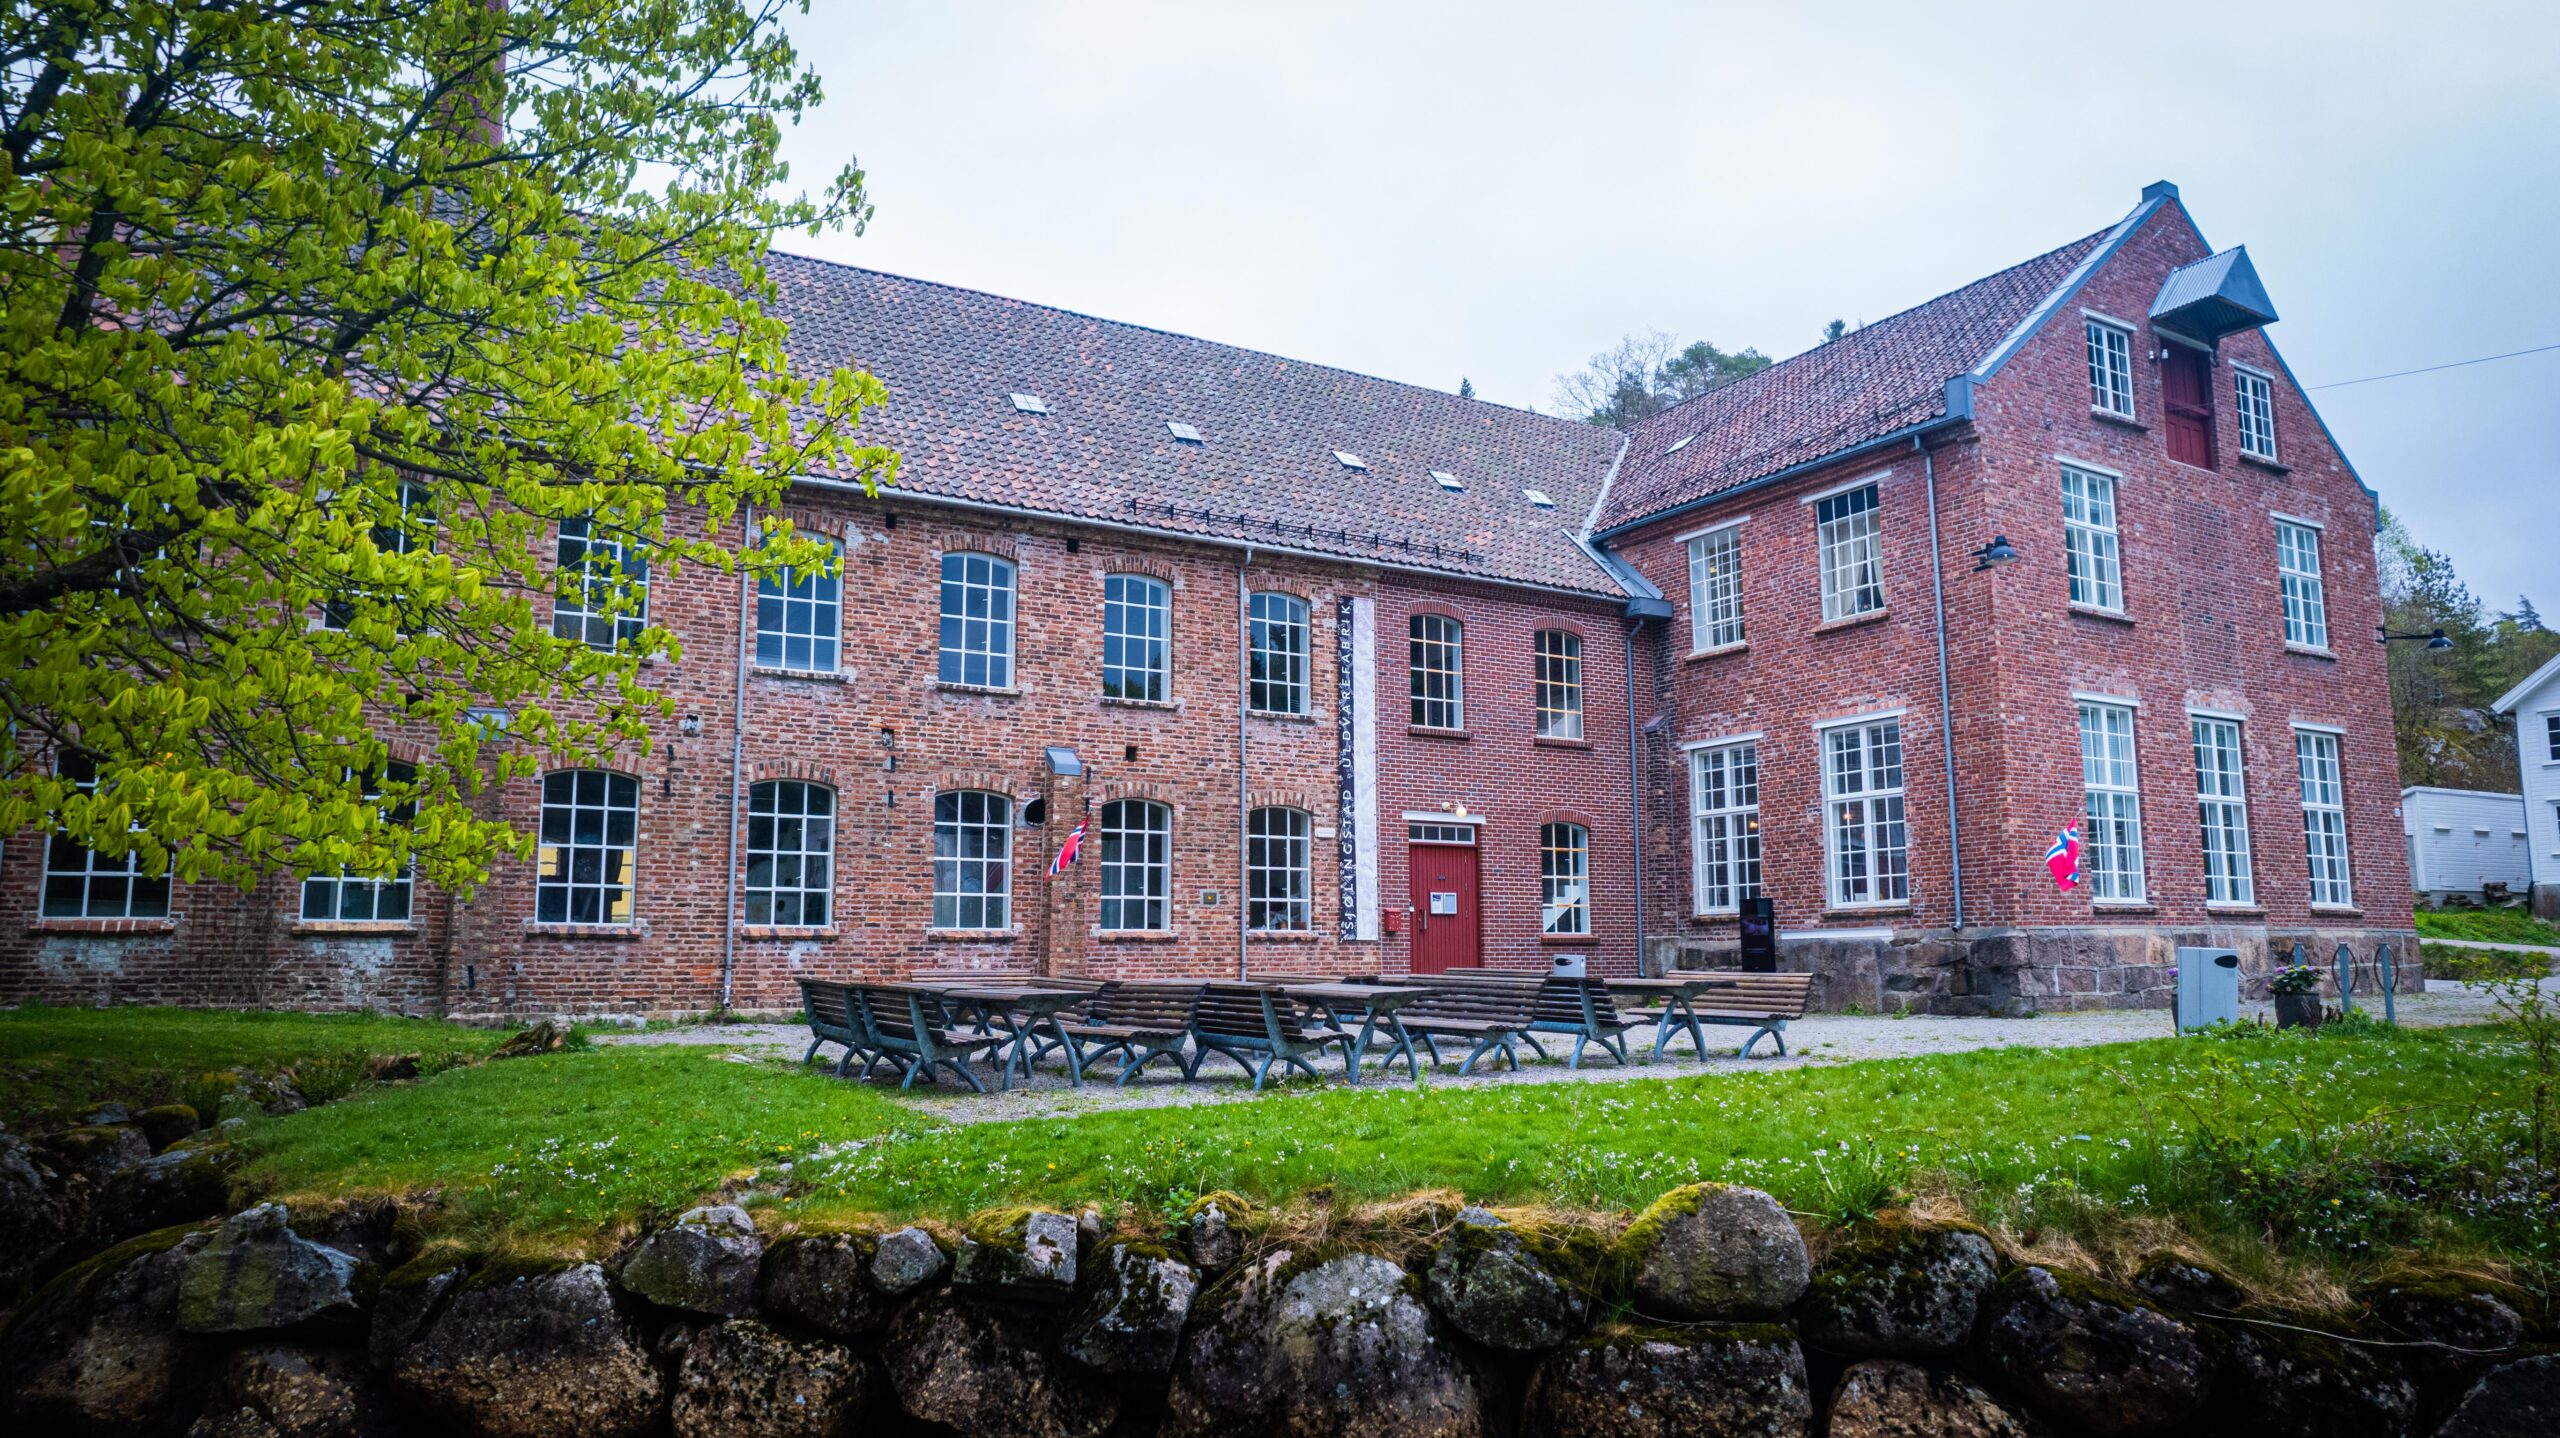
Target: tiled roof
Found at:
1862, 386
1265, 469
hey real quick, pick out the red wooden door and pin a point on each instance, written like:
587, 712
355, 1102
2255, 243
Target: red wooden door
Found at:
1444, 907
2186, 393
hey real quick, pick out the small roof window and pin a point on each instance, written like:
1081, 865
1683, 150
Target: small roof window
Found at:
1183, 432
1351, 461
1029, 403
1448, 481
1679, 444
1539, 498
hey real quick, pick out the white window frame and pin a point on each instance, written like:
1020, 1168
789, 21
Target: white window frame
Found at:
2110, 346
1439, 688
346, 897
2111, 791
2222, 809
1849, 535
1564, 879
68, 862
1279, 870
1866, 832
972, 861
2092, 553
790, 881
1137, 889
560, 880
1279, 636
595, 576
416, 512
2551, 737
1556, 687
1715, 588
2253, 400
1137, 638
2320, 762
2306, 598
1724, 826
800, 617
984, 639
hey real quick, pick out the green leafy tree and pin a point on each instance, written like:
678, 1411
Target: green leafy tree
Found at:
322, 318
1645, 374
2440, 699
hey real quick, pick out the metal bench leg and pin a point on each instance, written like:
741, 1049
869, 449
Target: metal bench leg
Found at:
1430, 1046
914, 1067
960, 1066
813, 1050
1535, 1047
1578, 1041
1259, 1071
1756, 1035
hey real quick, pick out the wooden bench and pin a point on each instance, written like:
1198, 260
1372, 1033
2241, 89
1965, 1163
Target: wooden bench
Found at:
1763, 1003
1241, 1019
911, 1024
1582, 1008
834, 1018
1142, 1022
1494, 1010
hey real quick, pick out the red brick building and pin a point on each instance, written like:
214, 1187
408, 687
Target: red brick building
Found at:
1336, 672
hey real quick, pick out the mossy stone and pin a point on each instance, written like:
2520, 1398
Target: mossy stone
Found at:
1901, 1290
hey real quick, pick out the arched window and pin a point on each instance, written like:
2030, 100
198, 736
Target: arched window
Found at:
1137, 862
791, 853
351, 897
1564, 878
1277, 647
1137, 615
1276, 871
590, 830
977, 620
972, 860
93, 884
1559, 684
1439, 672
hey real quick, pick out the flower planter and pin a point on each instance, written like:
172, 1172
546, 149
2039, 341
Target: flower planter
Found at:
2297, 1011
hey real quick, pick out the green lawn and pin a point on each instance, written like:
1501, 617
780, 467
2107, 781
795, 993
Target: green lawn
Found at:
58, 1063
2495, 926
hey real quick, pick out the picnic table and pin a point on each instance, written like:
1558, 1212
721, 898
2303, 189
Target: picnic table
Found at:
1678, 994
1016, 1011
1373, 1002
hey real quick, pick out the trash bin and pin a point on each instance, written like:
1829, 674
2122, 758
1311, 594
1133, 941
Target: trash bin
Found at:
2208, 988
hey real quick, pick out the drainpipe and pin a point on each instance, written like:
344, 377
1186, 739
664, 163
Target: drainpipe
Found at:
737, 768
1244, 709
1635, 790
1946, 702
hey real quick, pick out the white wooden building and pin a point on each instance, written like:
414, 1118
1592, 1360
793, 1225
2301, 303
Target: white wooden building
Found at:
2461, 841
2535, 704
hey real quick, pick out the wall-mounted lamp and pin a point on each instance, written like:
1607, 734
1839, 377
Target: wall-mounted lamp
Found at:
1991, 556
2435, 640
690, 726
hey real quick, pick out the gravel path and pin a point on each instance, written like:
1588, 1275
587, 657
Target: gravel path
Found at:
1817, 1039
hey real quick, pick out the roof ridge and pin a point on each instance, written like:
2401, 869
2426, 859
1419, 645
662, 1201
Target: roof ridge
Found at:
1133, 325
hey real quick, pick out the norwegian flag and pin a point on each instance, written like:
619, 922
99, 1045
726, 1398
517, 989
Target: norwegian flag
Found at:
1068, 850
2063, 859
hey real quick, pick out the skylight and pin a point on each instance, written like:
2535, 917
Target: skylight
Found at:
1539, 498
1029, 403
1679, 444
1449, 482
1350, 460
1183, 432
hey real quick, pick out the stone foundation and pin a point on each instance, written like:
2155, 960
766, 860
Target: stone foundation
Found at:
1976, 972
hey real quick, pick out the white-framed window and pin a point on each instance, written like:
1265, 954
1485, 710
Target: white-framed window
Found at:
2306, 605
1724, 826
2324, 816
1277, 648
83, 883
2254, 401
1439, 672
1137, 860
1852, 553
590, 835
972, 860
2110, 368
800, 617
603, 601
1558, 689
1276, 871
2089, 538
1564, 879
2222, 807
1715, 589
2111, 836
1137, 616
349, 897
1440, 833
1870, 858
791, 853
977, 620
2551, 738
408, 525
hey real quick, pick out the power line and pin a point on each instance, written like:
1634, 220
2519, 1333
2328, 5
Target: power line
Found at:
2431, 369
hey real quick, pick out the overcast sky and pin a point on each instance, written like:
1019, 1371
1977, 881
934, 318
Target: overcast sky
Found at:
1496, 191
